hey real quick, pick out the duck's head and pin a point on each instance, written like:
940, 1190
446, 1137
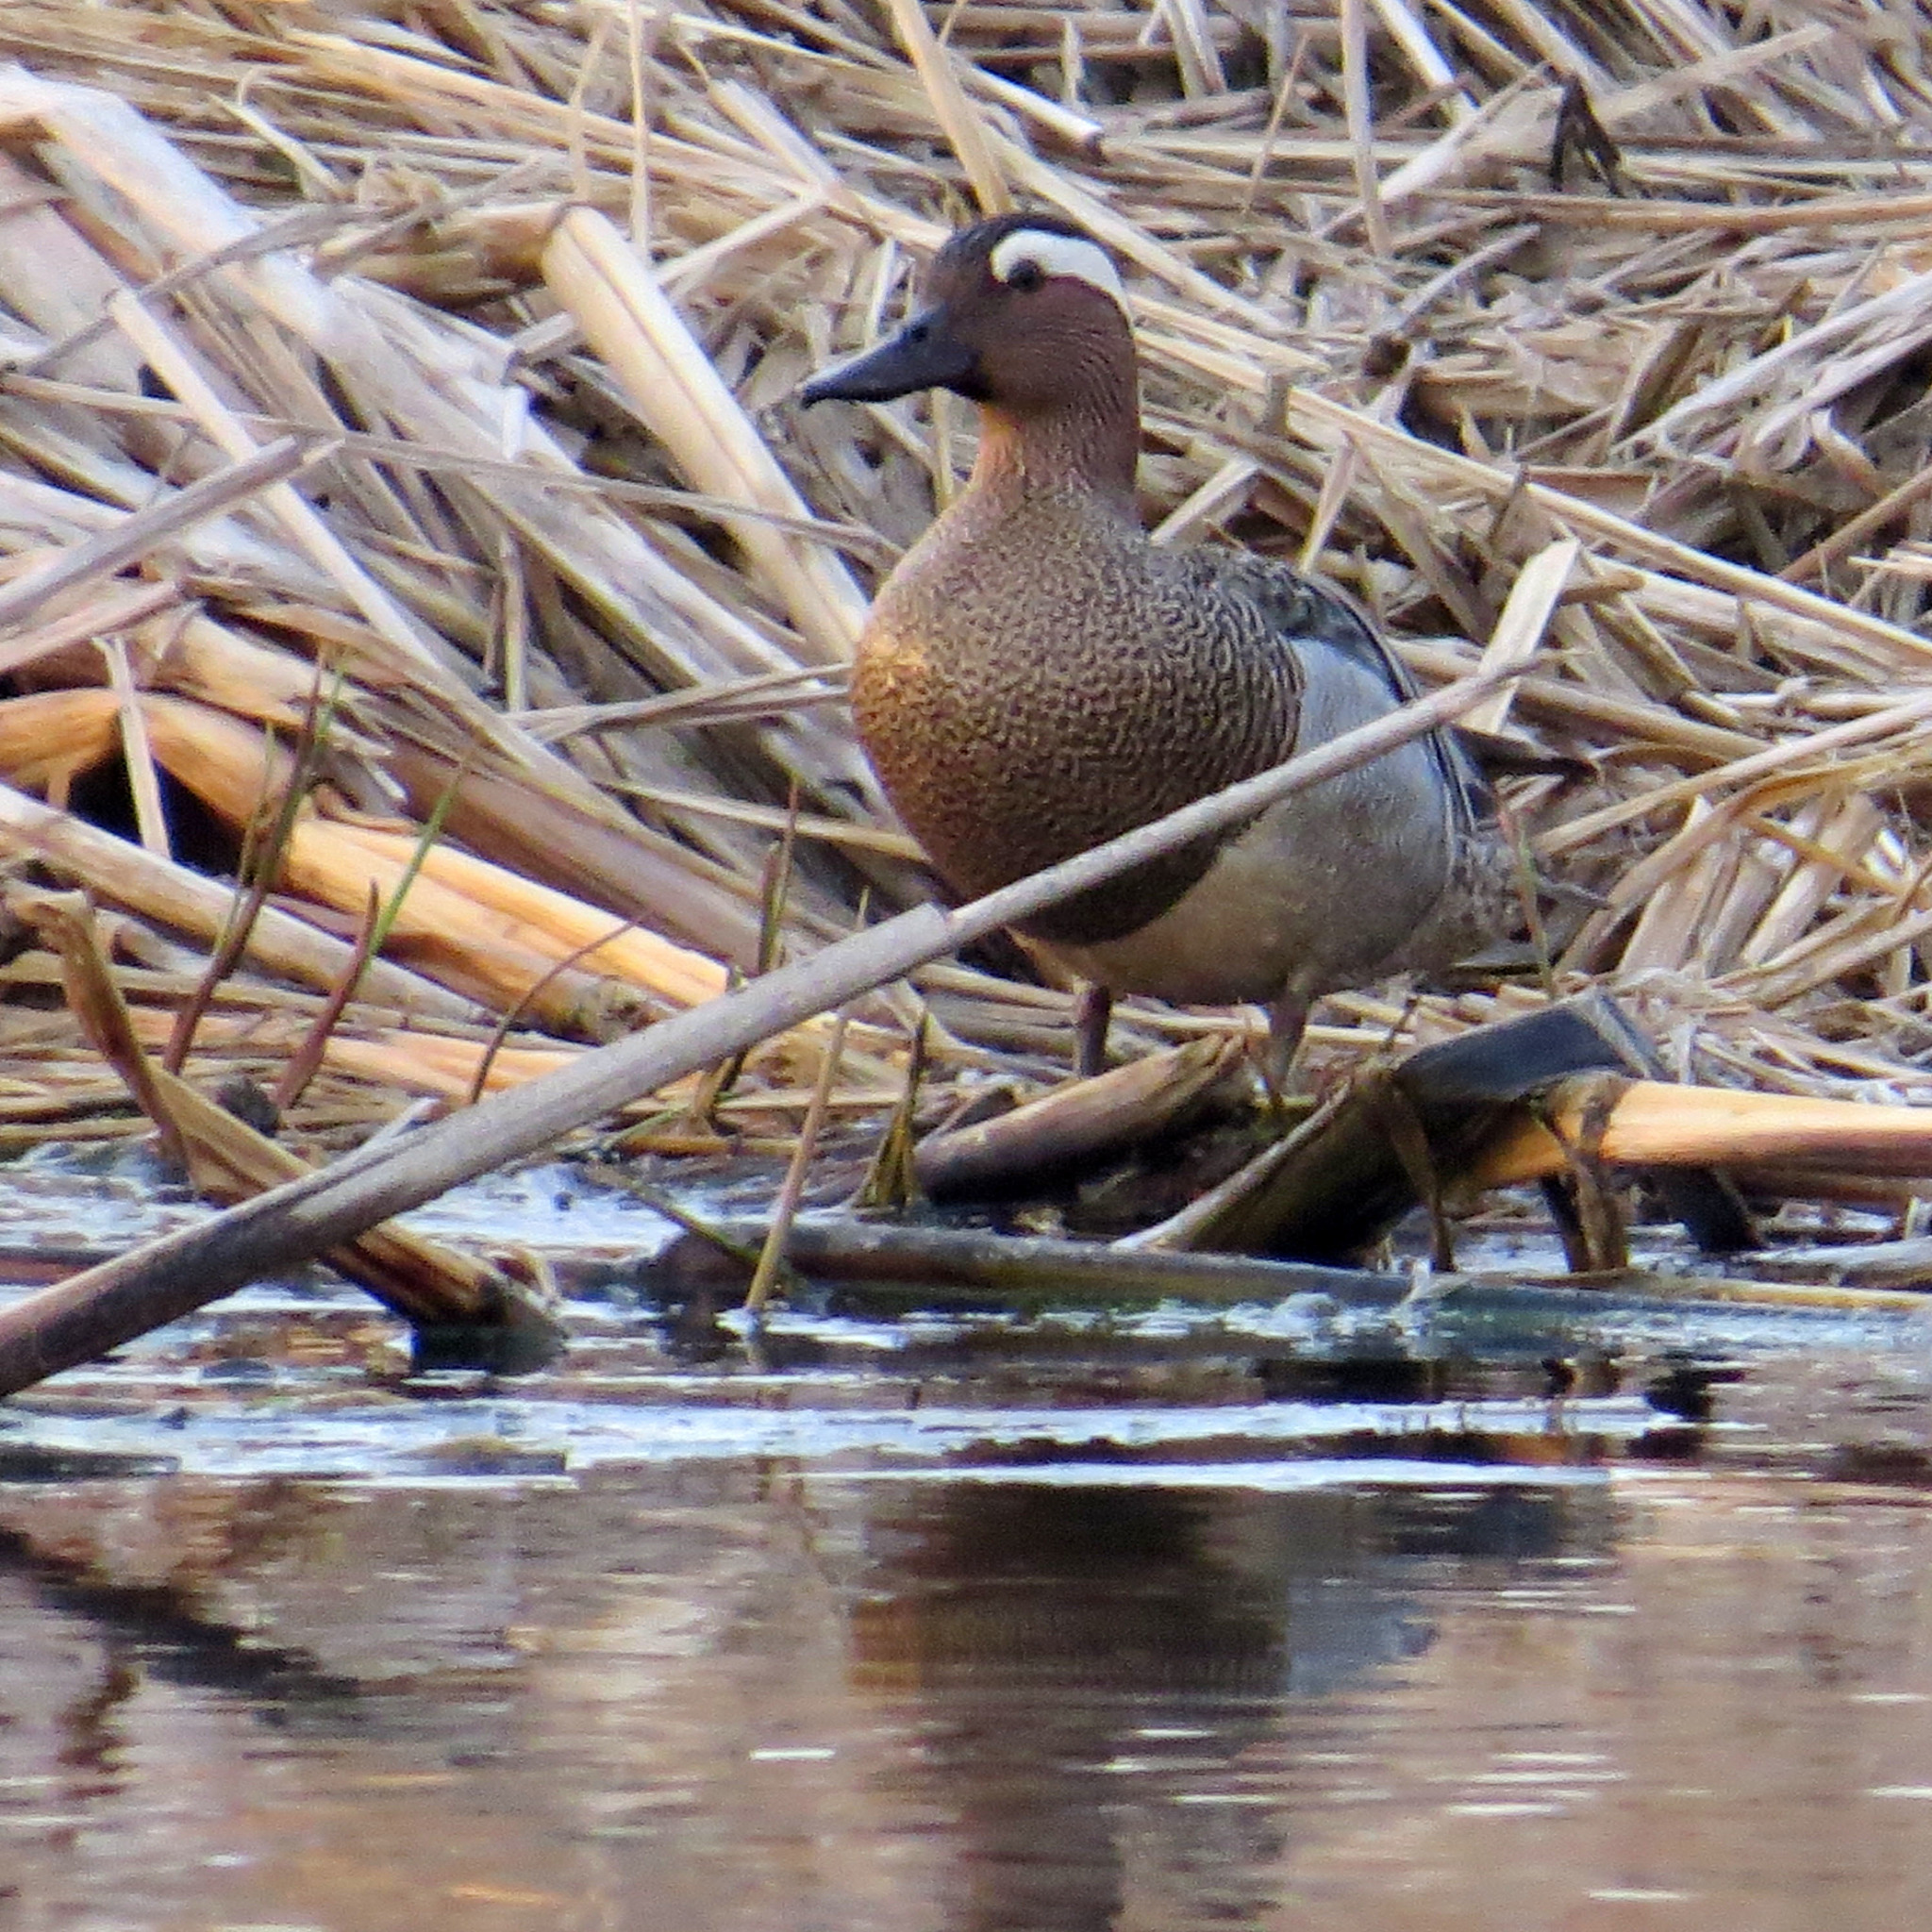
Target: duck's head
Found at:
1024, 314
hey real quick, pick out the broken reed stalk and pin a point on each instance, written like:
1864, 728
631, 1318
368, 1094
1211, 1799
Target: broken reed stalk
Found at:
306, 1061
1657, 1123
178, 1272
512, 1016
1081, 1121
791, 1189
264, 851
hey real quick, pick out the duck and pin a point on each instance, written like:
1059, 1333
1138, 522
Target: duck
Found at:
1036, 675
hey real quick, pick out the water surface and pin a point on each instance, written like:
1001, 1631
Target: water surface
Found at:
971, 1626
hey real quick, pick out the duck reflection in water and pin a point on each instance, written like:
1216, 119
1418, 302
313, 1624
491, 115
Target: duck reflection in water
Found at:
1111, 1683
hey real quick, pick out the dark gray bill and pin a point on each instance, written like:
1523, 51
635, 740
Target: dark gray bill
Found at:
924, 355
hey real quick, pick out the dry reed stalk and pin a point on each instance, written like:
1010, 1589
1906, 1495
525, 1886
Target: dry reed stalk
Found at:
680, 396
933, 63
119, 872
1649, 1123
48, 739
552, 922
1520, 629
446, 935
113, 610
137, 754
133, 537
388, 1059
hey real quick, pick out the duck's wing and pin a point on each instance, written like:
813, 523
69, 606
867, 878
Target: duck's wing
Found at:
1304, 616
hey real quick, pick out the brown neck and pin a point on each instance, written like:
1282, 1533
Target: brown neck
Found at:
1090, 441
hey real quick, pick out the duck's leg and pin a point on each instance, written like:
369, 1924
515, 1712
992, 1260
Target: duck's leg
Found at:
1288, 1020
1092, 1010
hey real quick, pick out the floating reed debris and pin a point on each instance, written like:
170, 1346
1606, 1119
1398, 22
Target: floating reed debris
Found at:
425, 389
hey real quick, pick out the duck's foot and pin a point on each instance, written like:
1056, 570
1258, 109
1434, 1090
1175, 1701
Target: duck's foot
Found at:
1093, 1010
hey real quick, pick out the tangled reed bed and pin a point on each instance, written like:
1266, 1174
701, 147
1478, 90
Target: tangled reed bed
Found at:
394, 412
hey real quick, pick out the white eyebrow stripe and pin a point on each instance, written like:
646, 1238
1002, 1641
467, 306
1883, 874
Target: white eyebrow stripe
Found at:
1059, 255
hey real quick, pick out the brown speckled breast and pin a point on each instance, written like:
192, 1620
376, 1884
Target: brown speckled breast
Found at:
1037, 679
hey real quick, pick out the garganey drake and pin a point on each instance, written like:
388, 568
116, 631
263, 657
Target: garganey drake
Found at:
1036, 676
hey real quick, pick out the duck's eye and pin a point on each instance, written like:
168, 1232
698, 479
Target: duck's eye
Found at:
1026, 275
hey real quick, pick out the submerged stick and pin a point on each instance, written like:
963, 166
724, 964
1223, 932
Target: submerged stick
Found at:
181, 1271
1036, 1266
1620, 1285
970, 1263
